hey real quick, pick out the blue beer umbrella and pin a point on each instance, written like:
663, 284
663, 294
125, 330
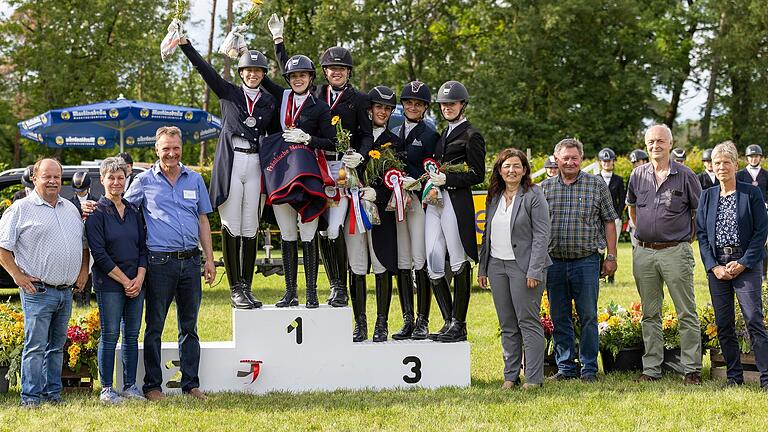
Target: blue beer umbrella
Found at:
123, 122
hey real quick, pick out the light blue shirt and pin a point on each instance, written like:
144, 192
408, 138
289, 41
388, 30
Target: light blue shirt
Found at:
47, 241
171, 212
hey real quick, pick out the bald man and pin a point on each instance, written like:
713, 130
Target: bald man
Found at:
662, 197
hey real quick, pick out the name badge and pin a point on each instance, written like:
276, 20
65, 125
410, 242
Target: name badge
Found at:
190, 194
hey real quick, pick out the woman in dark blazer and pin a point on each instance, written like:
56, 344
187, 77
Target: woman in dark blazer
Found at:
513, 255
732, 226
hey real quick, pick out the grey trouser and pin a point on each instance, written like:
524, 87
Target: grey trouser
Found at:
518, 309
673, 266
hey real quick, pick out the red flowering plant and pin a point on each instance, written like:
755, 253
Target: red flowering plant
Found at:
82, 344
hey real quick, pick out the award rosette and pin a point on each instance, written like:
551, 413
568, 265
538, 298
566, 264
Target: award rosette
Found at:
398, 202
432, 194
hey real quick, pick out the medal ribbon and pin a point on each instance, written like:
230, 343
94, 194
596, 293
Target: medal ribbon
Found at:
290, 119
251, 104
361, 223
338, 97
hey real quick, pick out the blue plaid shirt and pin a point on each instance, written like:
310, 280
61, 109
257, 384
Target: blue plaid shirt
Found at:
578, 212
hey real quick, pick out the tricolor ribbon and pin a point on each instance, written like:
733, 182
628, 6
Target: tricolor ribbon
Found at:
431, 167
393, 179
361, 223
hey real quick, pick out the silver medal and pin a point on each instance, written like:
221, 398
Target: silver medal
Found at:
330, 191
250, 121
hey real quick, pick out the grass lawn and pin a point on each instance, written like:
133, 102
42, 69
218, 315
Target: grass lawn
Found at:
615, 403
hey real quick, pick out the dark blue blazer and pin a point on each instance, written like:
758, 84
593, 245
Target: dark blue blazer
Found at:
752, 222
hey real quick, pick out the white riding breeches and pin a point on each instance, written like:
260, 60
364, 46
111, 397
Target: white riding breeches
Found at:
338, 214
411, 251
241, 212
441, 234
290, 226
359, 249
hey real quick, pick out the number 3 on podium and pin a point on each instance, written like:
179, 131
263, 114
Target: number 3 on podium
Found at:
416, 369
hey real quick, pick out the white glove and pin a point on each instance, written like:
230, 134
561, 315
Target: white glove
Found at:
276, 25
352, 160
437, 179
369, 194
296, 136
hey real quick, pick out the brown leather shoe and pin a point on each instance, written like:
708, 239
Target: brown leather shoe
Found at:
645, 378
531, 386
693, 378
154, 395
197, 394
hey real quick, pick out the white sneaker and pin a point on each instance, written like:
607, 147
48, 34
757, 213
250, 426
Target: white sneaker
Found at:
134, 393
109, 396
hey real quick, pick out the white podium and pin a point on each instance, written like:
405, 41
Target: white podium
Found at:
297, 349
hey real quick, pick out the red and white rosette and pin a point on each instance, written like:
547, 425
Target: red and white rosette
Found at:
393, 180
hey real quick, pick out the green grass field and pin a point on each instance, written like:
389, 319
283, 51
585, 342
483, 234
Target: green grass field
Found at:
615, 403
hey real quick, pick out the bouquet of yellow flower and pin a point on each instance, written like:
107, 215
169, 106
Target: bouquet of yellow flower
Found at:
83, 341
346, 177
253, 12
619, 328
381, 160
11, 340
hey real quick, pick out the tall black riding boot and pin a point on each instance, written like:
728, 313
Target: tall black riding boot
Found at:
405, 292
231, 248
383, 301
357, 289
310, 272
334, 256
443, 299
290, 269
423, 303
249, 248
462, 281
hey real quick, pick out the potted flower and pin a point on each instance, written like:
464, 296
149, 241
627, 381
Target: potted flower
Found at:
621, 339
11, 344
81, 351
670, 330
550, 365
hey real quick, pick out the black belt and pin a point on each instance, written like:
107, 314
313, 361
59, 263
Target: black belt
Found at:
181, 255
251, 150
56, 287
729, 250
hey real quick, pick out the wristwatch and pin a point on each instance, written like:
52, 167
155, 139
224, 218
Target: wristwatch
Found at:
610, 257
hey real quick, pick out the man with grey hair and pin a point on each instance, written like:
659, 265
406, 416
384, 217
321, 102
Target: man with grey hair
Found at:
43, 247
175, 204
583, 222
662, 197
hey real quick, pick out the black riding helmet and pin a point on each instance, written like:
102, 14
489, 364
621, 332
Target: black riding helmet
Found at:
337, 56
299, 63
383, 95
81, 181
416, 90
26, 177
638, 155
253, 58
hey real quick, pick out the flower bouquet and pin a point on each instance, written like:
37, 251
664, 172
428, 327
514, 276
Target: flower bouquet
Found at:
619, 328
175, 32
11, 340
82, 344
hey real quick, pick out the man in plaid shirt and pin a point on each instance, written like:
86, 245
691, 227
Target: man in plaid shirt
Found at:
583, 222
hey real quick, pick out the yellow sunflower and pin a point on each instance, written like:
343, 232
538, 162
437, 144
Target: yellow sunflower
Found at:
375, 154
335, 120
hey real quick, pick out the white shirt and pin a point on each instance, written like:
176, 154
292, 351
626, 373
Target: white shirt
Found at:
452, 125
82, 199
606, 176
712, 177
753, 171
299, 99
408, 127
47, 242
501, 231
377, 131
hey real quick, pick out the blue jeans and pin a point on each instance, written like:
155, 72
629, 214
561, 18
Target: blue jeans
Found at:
118, 310
747, 288
46, 316
168, 279
576, 281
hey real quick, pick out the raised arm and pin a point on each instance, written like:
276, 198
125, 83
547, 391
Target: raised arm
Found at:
218, 84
